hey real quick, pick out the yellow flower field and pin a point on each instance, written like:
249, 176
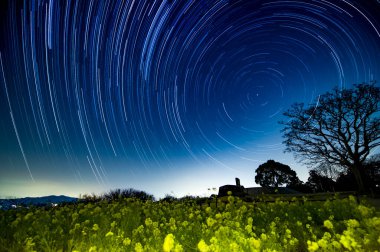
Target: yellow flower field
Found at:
233, 225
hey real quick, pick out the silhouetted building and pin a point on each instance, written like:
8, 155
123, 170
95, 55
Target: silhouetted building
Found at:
239, 190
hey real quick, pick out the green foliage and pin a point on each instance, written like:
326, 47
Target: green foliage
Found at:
231, 225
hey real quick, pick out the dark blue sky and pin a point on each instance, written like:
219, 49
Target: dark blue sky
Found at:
166, 96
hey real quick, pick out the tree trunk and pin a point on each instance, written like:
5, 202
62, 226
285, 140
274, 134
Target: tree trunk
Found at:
357, 171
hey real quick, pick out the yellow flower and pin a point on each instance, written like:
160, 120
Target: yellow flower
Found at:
214, 240
293, 241
248, 228
95, 227
185, 223
263, 237
126, 241
148, 222
210, 221
326, 236
28, 215
178, 248
202, 246
352, 198
328, 224
322, 243
234, 247
312, 246
29, 244
168, 243
113, 224
375, 223
255, 243
110, 233
345, 242
364, 211
288, 233
336, 244
139, 247
93, 249
352, 223
231, 199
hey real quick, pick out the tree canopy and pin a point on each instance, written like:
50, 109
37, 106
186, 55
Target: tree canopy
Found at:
275, 174
341, 128
320, 183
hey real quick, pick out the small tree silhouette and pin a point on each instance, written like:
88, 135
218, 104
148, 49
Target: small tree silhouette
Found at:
275, 174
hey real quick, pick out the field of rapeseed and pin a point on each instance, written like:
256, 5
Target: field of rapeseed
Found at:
232, 225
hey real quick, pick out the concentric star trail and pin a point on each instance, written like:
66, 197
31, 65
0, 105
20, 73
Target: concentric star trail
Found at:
130, 93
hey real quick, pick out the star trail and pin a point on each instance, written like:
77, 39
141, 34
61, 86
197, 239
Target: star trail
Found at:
166, 96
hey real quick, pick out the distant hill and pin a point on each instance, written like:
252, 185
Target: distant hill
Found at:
35, 201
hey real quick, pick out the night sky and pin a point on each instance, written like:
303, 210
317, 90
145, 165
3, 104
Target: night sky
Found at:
166, 96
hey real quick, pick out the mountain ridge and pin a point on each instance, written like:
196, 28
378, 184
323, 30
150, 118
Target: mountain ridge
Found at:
35, 201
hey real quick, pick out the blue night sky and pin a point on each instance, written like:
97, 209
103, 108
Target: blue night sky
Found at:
166, 96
